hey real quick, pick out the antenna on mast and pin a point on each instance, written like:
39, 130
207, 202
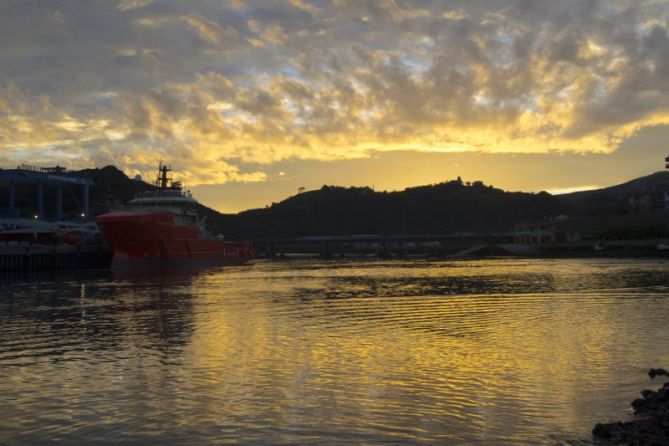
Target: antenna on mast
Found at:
163, 181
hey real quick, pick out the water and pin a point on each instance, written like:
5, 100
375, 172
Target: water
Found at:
337, 352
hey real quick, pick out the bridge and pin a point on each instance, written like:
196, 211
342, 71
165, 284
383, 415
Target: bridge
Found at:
331, 244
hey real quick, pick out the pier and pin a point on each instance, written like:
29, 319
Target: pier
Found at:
28, 242
29, 257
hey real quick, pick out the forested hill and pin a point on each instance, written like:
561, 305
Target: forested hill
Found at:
613, 199
441, 208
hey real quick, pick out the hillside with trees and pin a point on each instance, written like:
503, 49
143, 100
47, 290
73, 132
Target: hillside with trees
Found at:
435, 209
615, 199
452, 206
443, 208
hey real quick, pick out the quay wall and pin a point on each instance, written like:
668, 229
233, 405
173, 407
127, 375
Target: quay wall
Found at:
28, 257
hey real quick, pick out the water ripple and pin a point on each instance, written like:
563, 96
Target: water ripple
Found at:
345, 352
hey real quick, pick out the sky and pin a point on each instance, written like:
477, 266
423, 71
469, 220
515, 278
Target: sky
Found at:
251, 100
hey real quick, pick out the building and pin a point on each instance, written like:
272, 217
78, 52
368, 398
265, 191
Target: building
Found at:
39, 179
656, 197
551, 232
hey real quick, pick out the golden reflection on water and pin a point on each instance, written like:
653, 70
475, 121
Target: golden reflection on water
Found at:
458, 361
325, 352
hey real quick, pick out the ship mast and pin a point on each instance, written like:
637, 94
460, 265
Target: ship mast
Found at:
164, 180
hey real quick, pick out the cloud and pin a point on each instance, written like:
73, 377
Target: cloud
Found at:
127, 5
211, 31
214, 85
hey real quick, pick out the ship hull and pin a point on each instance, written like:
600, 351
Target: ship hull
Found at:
150, 238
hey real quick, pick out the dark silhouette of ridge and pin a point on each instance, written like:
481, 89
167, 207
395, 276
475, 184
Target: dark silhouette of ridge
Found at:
435, 209
443, 208
612, 199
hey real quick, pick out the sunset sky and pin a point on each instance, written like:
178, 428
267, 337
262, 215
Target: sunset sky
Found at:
250, 100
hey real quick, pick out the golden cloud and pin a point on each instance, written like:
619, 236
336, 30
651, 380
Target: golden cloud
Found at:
255, 85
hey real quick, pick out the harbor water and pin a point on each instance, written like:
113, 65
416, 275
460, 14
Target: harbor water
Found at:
330, 352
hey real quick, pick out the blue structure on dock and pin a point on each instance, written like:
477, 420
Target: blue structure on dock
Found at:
57, 177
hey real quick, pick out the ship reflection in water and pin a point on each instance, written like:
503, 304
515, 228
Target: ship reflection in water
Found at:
310, 352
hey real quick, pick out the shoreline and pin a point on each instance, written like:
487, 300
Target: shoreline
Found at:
481, 249
493, 253
650, 424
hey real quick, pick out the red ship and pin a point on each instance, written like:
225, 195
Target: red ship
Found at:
162, 227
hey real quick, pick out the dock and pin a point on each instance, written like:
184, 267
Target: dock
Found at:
27, 257
21, 247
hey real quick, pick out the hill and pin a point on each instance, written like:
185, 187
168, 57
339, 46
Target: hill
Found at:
448, 207
614, 199
440, 208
